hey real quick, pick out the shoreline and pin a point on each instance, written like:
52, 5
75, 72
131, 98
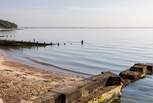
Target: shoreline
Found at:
14, 64
20, 81
52, 68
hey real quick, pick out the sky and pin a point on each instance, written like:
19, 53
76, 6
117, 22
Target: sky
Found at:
78, 13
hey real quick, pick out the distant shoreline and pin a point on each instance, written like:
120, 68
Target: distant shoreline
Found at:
86, 27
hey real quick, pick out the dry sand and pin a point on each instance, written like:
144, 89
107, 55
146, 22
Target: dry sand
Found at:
19, 81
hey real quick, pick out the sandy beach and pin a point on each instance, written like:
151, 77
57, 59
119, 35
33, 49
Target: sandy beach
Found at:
20, 82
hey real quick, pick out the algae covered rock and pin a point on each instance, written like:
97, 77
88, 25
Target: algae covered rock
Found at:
147, 67
130, 76
113, 80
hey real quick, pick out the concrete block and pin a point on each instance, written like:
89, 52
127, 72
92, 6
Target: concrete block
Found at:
113, 80
68, 94
110, 94
149, 67
141, 69
130, 76
100, 81
50, 97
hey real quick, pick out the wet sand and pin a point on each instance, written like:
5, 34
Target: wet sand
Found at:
21, 82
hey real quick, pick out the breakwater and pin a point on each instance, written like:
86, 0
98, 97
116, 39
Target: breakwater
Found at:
103, 88
24, 43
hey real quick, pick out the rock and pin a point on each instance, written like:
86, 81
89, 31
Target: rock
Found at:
68, 94
107, 95
100, 81
148, 67
113, 80
130, 76
140, 69
1, 101
26, 101
136, 72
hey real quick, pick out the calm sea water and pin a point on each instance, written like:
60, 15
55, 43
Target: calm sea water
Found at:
104, 50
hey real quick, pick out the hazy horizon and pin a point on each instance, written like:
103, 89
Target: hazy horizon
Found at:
78, 13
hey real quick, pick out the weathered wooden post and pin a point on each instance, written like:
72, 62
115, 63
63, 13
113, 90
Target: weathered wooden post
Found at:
51, 43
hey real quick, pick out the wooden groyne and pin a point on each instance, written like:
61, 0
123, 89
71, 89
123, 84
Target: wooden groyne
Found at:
17, 43
103, 88
23, 43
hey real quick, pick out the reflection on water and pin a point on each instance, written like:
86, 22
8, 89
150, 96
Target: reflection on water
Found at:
103, 50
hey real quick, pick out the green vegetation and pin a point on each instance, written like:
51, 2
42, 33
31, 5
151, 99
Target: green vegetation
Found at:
7, 25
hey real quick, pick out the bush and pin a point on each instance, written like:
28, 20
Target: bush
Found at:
7, 24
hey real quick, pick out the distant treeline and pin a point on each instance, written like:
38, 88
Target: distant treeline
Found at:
7, 25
